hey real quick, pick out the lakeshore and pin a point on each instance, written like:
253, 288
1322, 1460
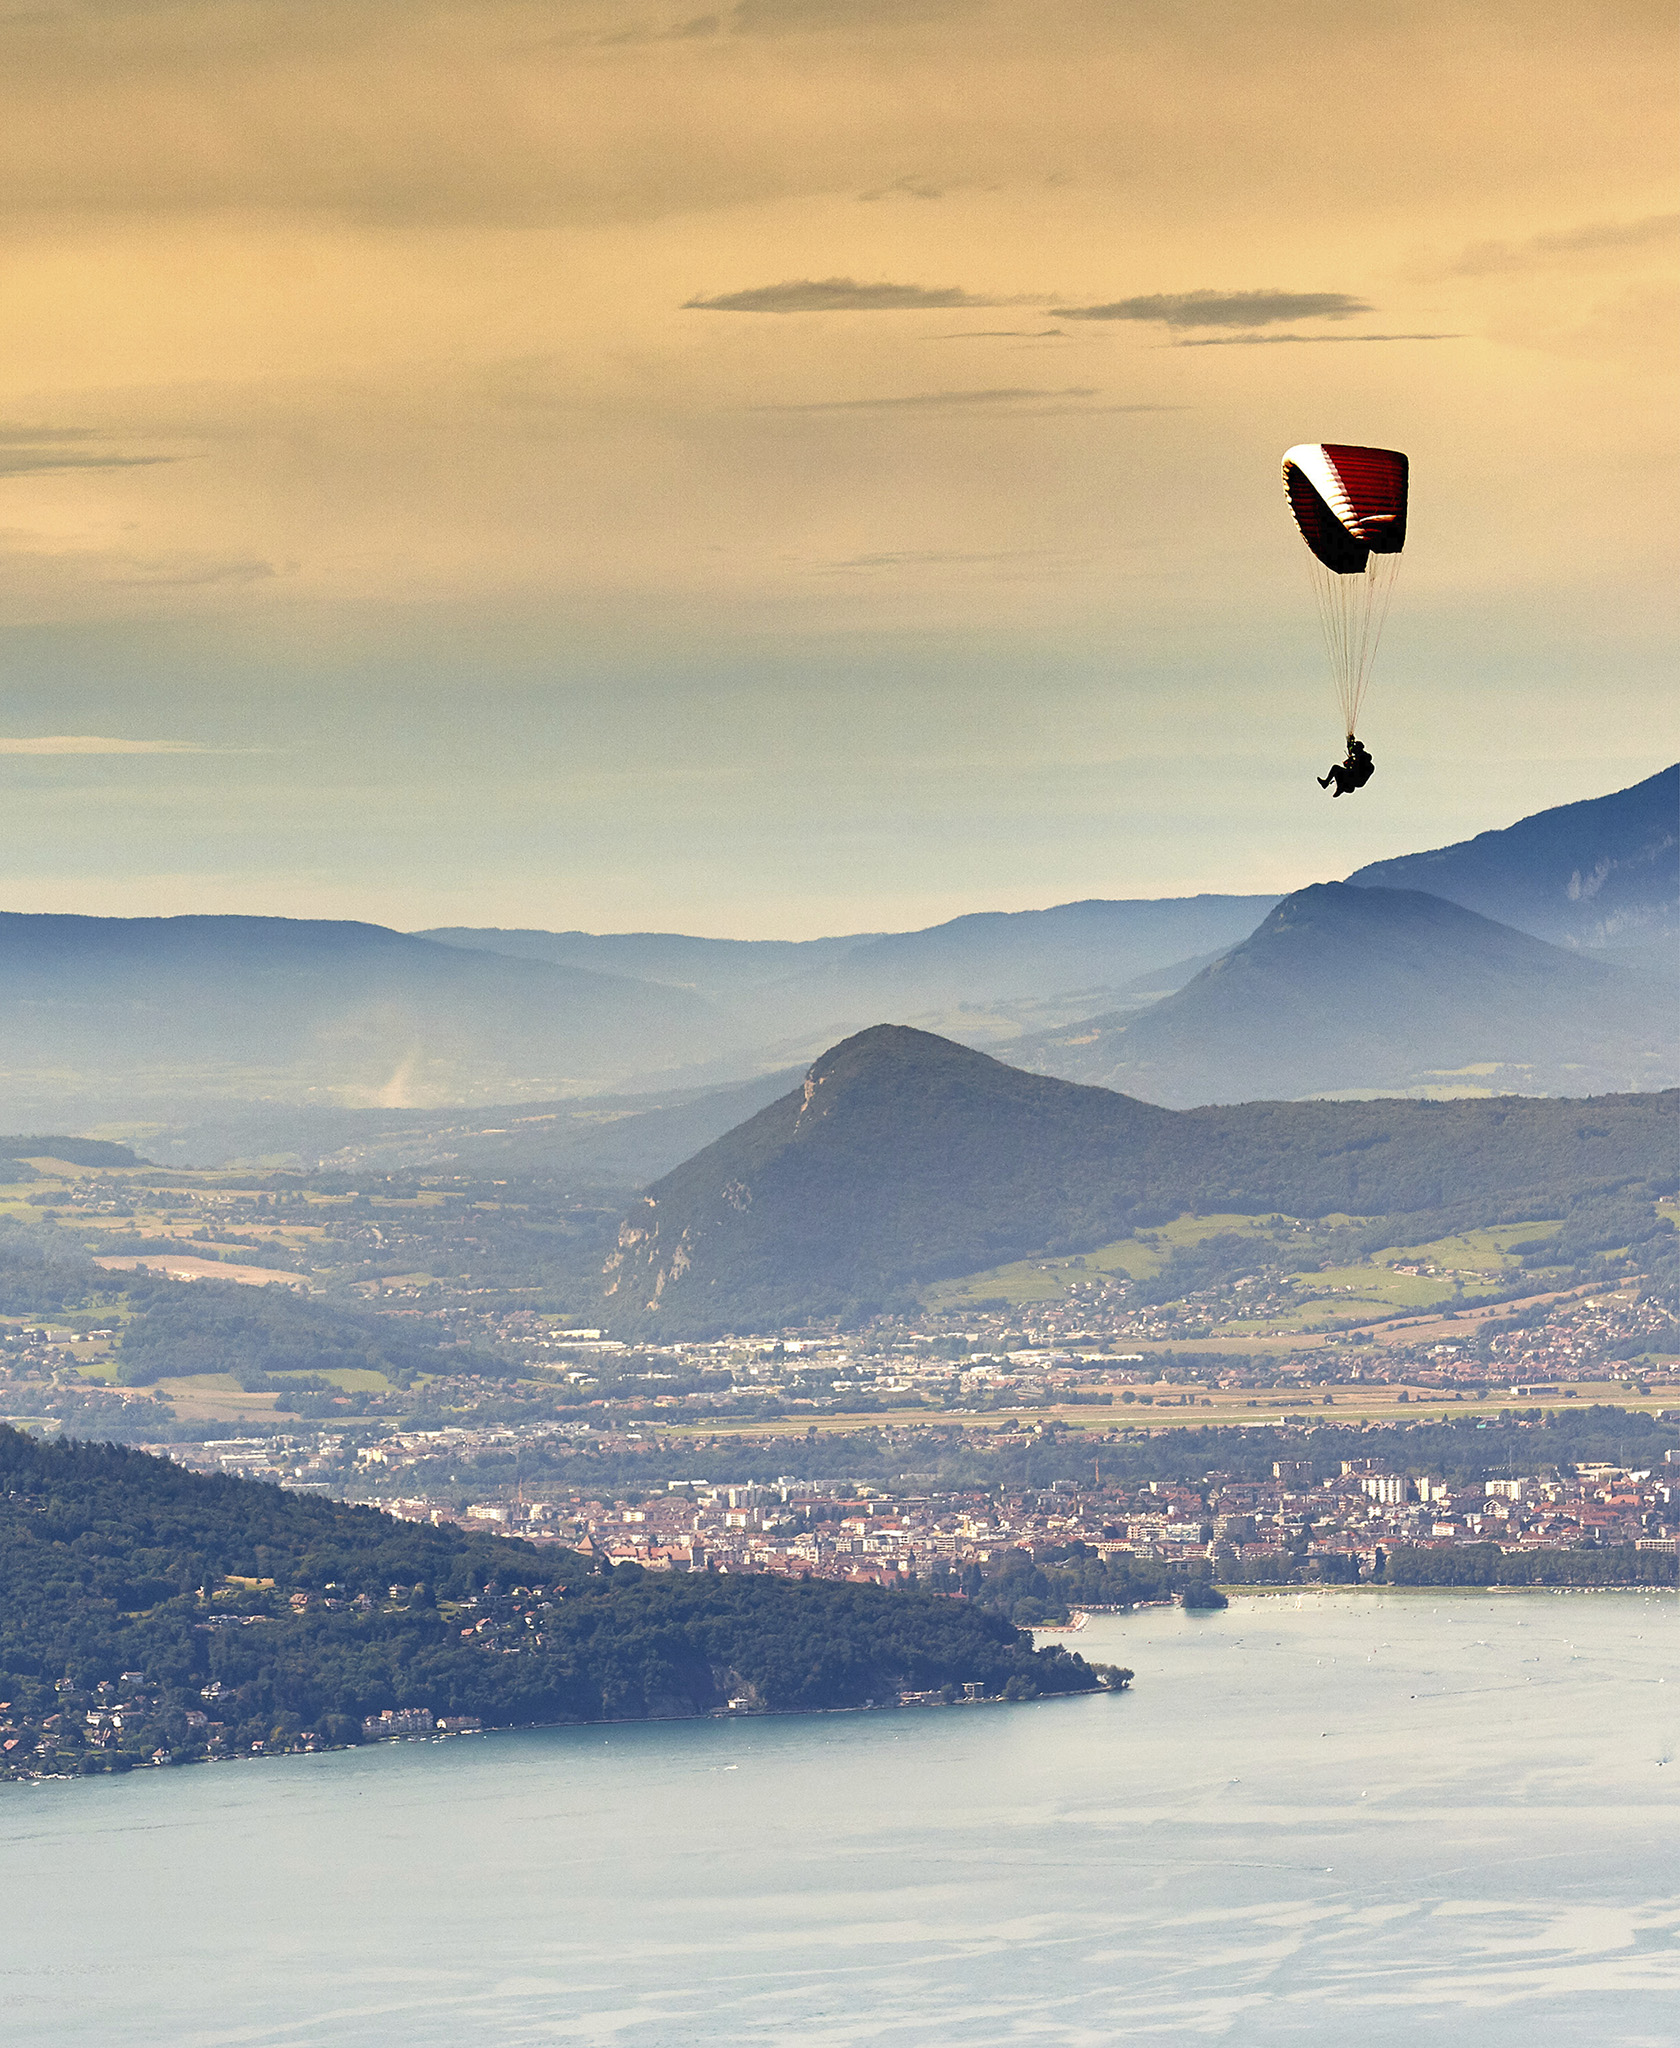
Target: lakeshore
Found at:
1309, 1819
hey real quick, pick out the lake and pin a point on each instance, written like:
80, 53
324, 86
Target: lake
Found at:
1379, 1818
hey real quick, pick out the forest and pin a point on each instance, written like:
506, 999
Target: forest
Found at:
220, 1326
1044, 1586
231, 1615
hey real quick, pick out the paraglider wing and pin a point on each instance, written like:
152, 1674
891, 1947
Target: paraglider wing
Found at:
1347, 501
1350, 505
1341, 552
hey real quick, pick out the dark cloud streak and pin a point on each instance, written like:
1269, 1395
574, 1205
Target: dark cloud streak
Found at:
1221, 309
24, 461
37, 451
1285, 340
1486, 259
837, 295
1000, 334
937, 401
795, 17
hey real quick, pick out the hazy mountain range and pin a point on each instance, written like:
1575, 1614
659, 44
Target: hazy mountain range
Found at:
987, 976
136, 1013
1526, 961
607, 1141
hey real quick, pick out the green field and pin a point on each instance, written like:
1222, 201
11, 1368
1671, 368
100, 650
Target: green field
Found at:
351, 1379
1038, 1280
1472, 1262
1485, 1254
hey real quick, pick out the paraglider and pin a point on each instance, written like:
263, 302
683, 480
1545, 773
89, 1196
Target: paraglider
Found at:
1350, 504
1353, 773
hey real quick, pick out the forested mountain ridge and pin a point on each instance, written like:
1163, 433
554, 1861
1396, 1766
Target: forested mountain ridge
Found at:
1599, 874
905, 1158
281, 1620
1345, 989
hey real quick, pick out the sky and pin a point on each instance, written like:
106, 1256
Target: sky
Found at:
812, 465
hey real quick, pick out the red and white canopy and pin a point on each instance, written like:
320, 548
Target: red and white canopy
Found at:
1350, 503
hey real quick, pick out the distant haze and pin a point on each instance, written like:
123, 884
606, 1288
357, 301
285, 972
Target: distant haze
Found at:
1542, 960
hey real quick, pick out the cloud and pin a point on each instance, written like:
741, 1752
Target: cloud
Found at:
997, 334
793, 17
184, 571
1483, 259
916, 558
836, 295
11, 434
1274, 340
689, 31
904, 188
91, 743
1221, 309
943, 401
41, 461
764, 19
33, 451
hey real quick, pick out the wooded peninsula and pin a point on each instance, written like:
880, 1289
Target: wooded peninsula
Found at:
149, 1614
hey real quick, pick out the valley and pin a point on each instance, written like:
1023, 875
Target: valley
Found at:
908, 1311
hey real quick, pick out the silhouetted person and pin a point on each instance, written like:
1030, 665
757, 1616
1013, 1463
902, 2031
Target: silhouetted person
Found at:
1353, 773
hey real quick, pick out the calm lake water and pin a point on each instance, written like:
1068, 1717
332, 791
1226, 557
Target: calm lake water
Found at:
1369, 1818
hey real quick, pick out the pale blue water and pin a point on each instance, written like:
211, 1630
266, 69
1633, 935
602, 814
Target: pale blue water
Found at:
1344, 1818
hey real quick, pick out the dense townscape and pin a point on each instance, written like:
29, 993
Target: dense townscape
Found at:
1273, 1525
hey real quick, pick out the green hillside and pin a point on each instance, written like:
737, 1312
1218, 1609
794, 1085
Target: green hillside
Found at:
905, 1159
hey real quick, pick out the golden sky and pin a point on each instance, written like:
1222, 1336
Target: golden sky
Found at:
811, 465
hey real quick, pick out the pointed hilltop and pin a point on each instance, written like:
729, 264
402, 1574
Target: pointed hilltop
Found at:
904, 1158
1346, 990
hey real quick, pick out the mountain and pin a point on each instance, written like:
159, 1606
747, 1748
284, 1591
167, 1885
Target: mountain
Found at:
164, 1025
139, 1012
1375, 990
986, 977
1076, 952
715, 967
1605, 873
362, 1035
904, 1158
591, 1141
